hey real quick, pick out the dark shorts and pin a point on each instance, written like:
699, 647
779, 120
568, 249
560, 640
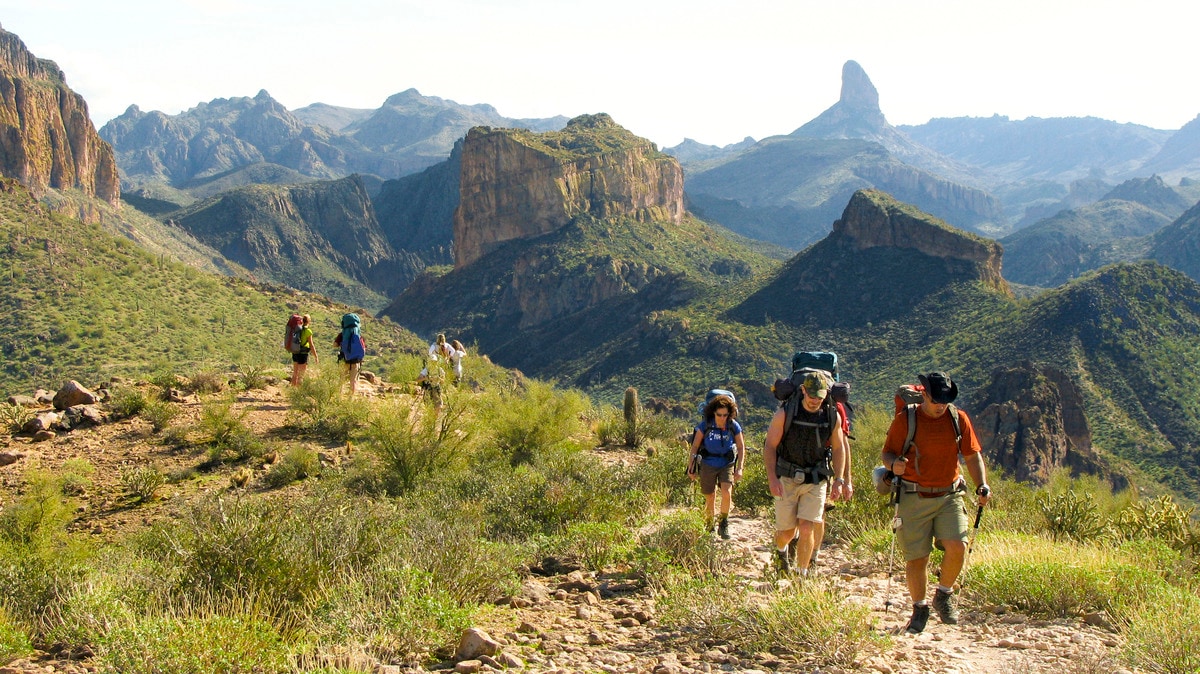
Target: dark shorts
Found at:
710, 476
300, 358
353, 362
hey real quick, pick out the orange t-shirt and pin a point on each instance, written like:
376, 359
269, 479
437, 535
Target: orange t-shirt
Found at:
938, 462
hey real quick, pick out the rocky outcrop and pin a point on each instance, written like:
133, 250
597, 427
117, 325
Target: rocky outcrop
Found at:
1033, 423
873, 219
47, 140
516, 184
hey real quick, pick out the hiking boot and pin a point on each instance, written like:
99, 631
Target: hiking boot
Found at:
943, 603
791, 550
782, 565
723, 528
920, 616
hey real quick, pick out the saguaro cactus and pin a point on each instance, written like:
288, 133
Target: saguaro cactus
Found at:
631, 416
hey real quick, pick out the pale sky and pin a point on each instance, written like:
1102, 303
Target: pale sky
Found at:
713, 71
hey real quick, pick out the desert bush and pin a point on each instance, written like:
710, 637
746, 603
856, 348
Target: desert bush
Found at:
1071, 515
595, 545
1163, 632
297, 463
664, 473
194, 645
434, 542
811, 620
159, 413
76, 476
682, 542
143, 481
127, 402
252, 377
14, 642
413, 443
533, 421
393, 610
206, 381
226, 433
319, 407
1160, 519
14, 417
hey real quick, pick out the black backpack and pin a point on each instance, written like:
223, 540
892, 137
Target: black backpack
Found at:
804, 451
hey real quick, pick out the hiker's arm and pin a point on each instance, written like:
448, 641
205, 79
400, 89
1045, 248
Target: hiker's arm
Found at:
848, 488
739, 441
697, 439
774, 436
974, 464
838, 445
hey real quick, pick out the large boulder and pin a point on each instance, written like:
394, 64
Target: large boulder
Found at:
73, 393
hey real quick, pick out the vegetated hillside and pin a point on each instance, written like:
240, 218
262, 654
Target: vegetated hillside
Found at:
1178, 245
1062, 247
580, 304
787, 190
320, 237
78, 302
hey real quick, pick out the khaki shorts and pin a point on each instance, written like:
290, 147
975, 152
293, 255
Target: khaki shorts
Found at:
709, 477
800, 501
923, 519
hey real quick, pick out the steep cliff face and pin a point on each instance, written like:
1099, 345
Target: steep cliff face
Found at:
873, 219
47, 140
1032, 422
516, 184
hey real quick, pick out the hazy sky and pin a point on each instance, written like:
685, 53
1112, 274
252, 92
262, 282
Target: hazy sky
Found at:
665, 69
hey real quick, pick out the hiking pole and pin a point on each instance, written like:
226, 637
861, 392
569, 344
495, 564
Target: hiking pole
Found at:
971, 543
896, 523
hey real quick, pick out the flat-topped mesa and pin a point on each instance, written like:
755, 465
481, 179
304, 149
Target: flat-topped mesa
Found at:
875, 219
47, 140
517, 184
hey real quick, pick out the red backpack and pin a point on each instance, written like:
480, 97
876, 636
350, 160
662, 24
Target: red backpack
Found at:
291, 336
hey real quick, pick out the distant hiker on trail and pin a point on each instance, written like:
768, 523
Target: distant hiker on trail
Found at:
720, 446
804, 448
439, 352
304, 348
351, 348
457, 351
931, 491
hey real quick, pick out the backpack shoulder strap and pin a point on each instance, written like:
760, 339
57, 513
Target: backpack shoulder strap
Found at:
957, 426
911, 409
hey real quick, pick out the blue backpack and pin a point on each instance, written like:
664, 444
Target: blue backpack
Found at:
352, 347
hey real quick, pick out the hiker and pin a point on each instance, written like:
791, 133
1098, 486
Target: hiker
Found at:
800, 459
306, 349
847, 492
438, 351
719, 445
351, 348
931, 491
457, 351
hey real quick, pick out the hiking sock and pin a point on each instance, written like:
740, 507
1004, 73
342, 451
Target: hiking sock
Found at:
947, 590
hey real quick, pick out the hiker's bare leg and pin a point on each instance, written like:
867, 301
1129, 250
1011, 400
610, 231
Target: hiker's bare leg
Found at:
804, 545
726, 497
818, 535
710, 507
952, 562
916, 574
782, 538
298, 373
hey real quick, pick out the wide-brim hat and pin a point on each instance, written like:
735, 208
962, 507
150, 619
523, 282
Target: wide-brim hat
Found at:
940, 387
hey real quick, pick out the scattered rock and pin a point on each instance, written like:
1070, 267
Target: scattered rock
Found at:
511, 661
71, 394
22, 401
43, 436
40, 422
468, 666
7, 458
474, 643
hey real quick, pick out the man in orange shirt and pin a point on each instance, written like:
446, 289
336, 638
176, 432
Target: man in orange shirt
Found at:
931, 491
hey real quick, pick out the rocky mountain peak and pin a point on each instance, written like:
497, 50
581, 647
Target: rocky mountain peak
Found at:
874, 219
518, 184
47, 140
857, 91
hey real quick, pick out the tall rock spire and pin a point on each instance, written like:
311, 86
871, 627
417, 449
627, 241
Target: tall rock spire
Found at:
855, 115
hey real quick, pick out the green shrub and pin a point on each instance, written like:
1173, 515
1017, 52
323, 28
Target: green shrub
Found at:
1160, 519
1164, 631
596, 545
297, 463
143, 481
207, 381
76, 476
14, 417
226, 432
252, 377
159, 414
393, 610
683, 542
319, 407
199, 645
127, 402
413, 443
1072, 515
14, 642
534, 421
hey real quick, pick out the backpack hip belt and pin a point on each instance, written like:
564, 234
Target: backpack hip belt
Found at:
932, 492
802, 474
728, 456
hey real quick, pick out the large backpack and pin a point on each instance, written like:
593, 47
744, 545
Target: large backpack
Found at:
291, 334
817, 360
352, 344
798, 451
713, 393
